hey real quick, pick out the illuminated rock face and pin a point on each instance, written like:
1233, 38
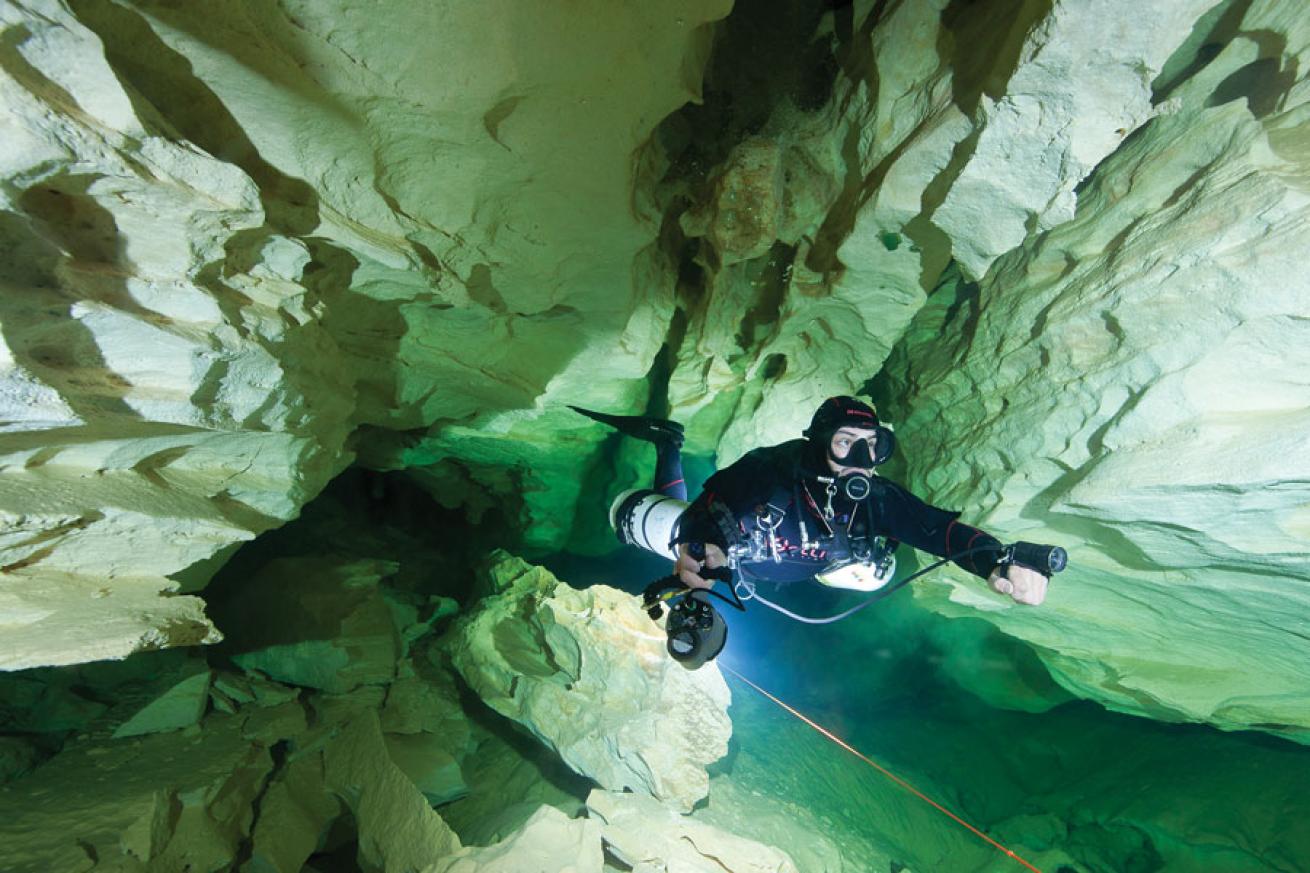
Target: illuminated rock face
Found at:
231, 240
242, 248
1133, 385
356, 765
587, 673
639, 831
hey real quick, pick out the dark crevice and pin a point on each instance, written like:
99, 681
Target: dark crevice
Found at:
339, 851
854, 52
740, 93
364, 514
28, 76
774, 367
856, 190
549, 766
482, 291
612, 860
1209, 35
982, 41
773, 291
279, 752
1263, 83
65, 228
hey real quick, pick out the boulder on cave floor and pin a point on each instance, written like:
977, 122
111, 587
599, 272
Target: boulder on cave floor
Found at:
587, 673
550, 841
648, 836
180, 705
163, 801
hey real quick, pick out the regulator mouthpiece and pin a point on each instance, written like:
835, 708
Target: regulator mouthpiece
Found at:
856, 486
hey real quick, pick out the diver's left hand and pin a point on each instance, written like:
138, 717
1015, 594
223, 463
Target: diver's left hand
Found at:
1024, 585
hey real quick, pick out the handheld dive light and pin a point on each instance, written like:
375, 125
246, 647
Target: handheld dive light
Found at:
696, 631
1047, 560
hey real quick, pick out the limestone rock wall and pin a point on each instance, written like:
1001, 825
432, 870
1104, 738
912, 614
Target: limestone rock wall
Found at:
246, 245
543, 654
241, 242
1132, 385
369, 749
1107, 208
355, 756
946, 131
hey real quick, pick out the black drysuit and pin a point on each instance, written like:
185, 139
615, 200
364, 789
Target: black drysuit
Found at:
783, 477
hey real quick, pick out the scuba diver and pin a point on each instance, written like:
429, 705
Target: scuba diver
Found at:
809, 508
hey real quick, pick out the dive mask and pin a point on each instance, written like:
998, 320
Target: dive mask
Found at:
861, 456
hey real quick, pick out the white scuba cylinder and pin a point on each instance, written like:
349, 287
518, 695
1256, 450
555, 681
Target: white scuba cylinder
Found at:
647, 519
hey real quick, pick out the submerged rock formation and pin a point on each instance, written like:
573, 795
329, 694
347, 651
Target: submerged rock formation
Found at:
1133, 385
247, 247
544, 655
236, 262
220, 264
270, 775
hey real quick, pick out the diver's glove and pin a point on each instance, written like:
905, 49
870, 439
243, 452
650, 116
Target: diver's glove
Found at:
1025, 571
699, 563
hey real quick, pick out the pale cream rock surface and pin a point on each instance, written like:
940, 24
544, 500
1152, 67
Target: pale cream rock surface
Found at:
240, 244
477, 164
588, 674
1082, 84
63, 618
1136, 391
549, 842
849, 252
252, 231
158, 802
649, 836
148, 424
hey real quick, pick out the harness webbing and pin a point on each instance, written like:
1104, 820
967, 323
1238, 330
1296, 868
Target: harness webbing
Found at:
749, 587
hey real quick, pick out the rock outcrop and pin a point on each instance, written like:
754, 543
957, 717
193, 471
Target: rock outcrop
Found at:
223, 256
588, 674
647, 836
1131, 384
354, 764
244, 247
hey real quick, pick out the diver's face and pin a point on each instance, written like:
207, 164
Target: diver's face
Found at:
842, 442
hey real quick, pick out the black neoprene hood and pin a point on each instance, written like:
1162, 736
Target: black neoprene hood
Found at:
844, 411
840, 411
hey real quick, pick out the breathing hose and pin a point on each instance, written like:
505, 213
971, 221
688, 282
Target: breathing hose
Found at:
1029, 555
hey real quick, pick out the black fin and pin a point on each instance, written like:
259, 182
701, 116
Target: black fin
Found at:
655, 430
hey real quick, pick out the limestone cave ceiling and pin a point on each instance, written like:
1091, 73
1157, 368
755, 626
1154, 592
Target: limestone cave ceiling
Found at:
1061, 244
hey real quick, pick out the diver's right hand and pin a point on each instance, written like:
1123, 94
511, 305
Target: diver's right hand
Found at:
688, 568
